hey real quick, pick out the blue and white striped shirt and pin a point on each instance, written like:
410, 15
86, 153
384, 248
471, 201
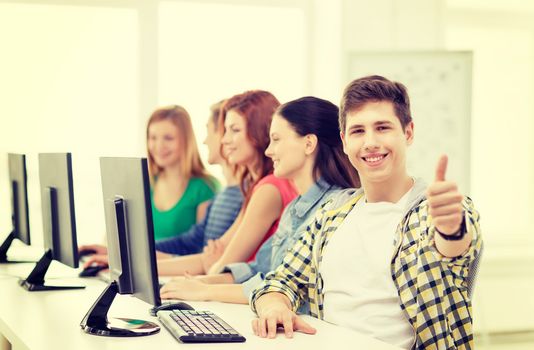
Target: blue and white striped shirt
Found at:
220, 215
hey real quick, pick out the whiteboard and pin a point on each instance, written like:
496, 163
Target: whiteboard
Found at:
439, 86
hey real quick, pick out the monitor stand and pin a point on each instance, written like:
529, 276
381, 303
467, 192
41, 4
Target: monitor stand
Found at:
35, 281
5, 247
96, 320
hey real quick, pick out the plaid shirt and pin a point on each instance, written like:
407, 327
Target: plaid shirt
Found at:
432, 288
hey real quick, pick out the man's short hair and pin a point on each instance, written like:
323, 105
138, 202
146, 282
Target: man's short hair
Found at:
375, 88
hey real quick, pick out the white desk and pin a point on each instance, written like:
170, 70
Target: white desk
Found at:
50, 321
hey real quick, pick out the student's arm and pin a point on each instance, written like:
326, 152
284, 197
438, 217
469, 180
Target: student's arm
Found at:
194, 264
189, 242
227, 237
202, 209
285, 279
103, 260
221, 278
452, 249
262, 211
243, 272
195, 289
279, 296
97, 248
275, 309
161, 255
204, 195
181, 265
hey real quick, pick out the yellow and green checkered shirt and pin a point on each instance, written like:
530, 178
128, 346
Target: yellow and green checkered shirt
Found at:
432, 288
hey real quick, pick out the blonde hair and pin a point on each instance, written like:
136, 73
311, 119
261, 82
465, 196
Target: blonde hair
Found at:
190, 163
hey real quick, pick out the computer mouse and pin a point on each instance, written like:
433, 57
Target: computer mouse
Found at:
180, 305
92, 271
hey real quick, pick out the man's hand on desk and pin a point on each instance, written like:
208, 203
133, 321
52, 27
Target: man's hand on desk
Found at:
274, 310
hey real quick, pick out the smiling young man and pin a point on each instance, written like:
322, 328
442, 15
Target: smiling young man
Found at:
390, 260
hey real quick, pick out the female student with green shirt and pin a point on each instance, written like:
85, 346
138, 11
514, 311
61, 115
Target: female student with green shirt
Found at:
221, 214
180, 185
180, 217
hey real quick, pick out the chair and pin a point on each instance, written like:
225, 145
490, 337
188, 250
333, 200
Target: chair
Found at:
473, 271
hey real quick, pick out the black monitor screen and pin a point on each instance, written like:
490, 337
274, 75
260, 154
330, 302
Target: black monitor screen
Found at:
129, 227
57, 201
19, 197
59, 223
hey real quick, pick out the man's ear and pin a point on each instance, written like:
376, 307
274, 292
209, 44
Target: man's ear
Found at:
311, 141
342, 135
409, 132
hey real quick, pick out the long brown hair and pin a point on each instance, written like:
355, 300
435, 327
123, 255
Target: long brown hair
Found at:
190, 163
257, 107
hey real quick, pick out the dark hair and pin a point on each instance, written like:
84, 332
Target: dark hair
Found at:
375, 88
257, 107
312, 115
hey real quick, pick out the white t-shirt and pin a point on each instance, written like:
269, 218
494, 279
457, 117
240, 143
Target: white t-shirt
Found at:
359, 292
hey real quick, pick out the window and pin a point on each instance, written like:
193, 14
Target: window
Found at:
213, 51
69, 84
83, 79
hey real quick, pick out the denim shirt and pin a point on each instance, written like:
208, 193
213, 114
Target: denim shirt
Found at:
293, 222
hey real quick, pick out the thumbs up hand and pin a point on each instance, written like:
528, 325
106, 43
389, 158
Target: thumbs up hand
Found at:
445, 202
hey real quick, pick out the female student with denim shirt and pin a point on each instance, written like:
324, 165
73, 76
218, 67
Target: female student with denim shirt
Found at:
306, 149
245, 119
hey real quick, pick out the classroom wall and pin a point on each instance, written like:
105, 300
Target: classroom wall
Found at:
85, 76
501, 35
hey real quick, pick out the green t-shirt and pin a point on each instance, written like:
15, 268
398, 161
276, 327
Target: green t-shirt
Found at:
183, 214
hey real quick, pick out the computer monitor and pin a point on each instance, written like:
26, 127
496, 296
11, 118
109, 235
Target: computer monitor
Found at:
19, 205
132, 257
59, 221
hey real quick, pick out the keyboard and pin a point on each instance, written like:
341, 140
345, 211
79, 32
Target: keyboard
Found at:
192, 326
